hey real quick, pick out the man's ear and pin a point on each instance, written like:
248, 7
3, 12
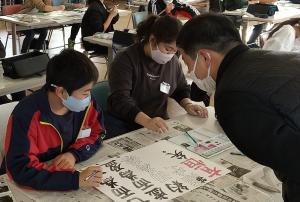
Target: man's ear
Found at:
206, 55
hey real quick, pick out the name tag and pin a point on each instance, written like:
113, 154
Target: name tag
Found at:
85, 133
165, 87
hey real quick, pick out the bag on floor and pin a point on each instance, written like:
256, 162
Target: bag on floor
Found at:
25, 65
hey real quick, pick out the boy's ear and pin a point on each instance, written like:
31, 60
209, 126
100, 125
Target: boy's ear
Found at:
60, 92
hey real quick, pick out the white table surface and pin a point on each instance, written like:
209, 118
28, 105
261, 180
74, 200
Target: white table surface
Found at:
94, 195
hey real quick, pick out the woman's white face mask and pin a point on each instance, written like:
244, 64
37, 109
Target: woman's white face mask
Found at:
160, 57
207, 84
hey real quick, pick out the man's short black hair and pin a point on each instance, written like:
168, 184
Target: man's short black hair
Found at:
71, 70
211, 31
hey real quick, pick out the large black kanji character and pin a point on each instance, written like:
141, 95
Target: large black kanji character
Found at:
109, 182
176, 187
157, 193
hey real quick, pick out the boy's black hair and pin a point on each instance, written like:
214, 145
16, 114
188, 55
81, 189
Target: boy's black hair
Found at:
211, 31
71, 70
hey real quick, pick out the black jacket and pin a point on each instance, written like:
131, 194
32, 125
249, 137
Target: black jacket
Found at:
93, 21
157, 6
257, 103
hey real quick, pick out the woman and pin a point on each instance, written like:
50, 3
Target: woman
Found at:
285, 37
144, 76
97, 18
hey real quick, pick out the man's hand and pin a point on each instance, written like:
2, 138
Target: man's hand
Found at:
196, 110
114, 11
90, 177
65, 160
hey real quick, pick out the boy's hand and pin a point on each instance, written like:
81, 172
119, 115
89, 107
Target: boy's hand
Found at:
90, 177
66, 160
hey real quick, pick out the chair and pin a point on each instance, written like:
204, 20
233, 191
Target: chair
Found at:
10, 10
138, 17
5, 111
101, 92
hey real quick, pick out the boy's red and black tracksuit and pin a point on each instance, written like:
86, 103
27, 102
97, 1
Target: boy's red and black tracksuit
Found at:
33, 138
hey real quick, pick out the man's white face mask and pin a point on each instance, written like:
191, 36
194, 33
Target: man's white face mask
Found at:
207, 84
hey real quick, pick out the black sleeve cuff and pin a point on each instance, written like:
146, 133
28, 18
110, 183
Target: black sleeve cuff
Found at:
178, 96
132, 113
76, 180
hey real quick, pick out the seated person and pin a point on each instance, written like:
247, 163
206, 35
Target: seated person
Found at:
257, 30
172, 7
97, 18
74, 4
56, 127
144, 76
177, 8
33, 6
285, 37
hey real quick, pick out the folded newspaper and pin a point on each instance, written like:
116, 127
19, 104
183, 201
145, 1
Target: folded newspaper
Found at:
5, 192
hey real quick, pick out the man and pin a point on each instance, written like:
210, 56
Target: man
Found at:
256, 94
56, 127
74, 4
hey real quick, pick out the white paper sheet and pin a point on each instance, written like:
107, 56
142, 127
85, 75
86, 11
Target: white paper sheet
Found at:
159, 172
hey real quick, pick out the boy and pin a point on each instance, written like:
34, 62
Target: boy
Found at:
59, 124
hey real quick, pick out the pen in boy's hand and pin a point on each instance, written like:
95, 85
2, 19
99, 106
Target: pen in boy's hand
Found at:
91, 175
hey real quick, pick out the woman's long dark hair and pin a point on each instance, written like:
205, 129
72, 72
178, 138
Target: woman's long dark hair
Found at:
164, 29
291, 22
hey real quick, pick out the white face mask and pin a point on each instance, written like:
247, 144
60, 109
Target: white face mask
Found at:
160, 57
207, 84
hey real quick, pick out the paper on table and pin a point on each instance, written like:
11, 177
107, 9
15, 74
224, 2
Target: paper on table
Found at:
5, 192
264, 176
158, 172
208, 143
175, 128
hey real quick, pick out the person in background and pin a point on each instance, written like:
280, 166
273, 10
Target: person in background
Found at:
97, 18
172, 7
218, 6
257, 30
70, 5
177, 8
33, 6
144, 76
56, 127
256, 94
285, 37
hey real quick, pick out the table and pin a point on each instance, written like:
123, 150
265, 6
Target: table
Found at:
286, 12
41, 20
8, 85
103, 42
108, 151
